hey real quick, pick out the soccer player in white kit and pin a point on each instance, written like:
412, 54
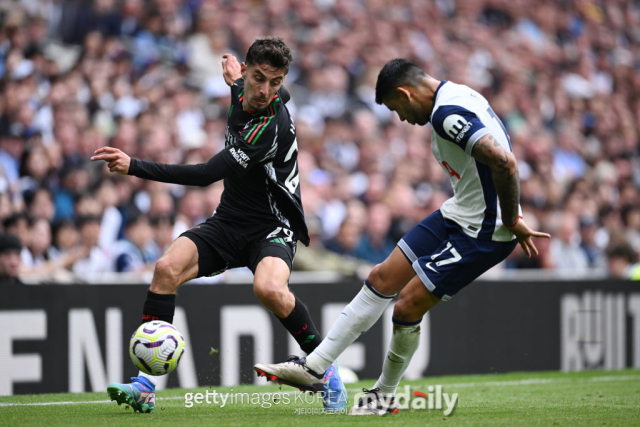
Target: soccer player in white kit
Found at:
471, 232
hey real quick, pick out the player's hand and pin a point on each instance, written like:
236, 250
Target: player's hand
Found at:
116, 159
231, 70
524, 235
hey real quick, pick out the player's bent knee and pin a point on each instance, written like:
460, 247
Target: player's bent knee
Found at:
269, 290
166, 277
375, 277
382, 281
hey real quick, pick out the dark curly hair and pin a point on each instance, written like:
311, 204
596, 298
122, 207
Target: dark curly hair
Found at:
272, 51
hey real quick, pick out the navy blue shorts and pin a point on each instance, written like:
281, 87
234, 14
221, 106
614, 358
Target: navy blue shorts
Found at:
445, 258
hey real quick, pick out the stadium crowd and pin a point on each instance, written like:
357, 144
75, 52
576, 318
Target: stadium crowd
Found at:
146, 77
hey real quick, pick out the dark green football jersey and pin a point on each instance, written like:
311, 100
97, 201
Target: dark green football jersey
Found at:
261, 147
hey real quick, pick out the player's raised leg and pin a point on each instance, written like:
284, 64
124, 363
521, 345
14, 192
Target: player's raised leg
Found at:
365, 309
413, 302
177, 265
271, 286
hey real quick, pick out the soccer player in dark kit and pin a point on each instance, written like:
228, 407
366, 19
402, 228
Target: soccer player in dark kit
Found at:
258, 221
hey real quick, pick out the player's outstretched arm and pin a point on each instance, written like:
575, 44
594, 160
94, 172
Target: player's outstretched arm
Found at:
231, 70
506, 178
116, 159
200, 175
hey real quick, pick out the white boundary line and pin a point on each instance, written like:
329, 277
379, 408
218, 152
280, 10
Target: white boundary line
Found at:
526, 381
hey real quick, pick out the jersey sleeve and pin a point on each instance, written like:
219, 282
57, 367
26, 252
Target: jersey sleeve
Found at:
237, 87
459, 126
256, 143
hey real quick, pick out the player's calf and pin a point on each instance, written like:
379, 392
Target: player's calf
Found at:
271, 286
413, 302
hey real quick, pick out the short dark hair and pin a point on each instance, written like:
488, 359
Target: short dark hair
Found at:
395, 73
272, 51
87, 219
622, 250
9, 242
13, 219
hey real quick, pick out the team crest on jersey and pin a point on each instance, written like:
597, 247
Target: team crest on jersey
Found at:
456, 126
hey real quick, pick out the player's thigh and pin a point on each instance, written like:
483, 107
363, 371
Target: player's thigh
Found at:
425, 237
392, 274
459, 261
414, 301
215, 249
271, 276
398, 269
270, 257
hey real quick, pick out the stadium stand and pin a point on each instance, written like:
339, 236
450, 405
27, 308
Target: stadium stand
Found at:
145, 77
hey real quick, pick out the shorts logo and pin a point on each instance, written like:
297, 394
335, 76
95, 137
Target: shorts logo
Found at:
456, 126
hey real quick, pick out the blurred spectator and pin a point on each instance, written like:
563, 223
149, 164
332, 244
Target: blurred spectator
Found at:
97, 260
40, 242
163, 231
40, 204
137, 252
18, 225
565, 246
347, 239
376, 244
145, 77
65, 236
595, 255
317, 257
622, 261
10, 248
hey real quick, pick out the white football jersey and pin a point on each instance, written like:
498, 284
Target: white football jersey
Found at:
460, 117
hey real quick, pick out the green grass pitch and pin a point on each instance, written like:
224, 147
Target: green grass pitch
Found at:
547, 398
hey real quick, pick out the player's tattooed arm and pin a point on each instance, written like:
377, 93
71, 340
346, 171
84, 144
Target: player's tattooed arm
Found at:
506, 176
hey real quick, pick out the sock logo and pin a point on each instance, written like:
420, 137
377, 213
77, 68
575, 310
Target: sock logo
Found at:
309, 339
149, 317
301, 330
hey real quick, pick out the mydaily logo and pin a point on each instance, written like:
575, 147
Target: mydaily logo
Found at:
434, 399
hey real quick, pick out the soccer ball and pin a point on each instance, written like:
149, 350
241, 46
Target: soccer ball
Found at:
156, 347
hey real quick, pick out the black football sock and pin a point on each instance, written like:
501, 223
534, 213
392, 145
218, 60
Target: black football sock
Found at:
301, 327
159, 307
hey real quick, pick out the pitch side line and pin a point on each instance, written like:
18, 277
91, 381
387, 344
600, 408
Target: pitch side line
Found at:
530, 381
526, 381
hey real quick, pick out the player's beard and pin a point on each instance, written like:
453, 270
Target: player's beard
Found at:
256, 105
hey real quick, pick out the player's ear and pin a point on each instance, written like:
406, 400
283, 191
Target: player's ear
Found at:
243, 70
403, 93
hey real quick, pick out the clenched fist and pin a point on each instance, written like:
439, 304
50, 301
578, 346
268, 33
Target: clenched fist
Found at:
117, 160
231, 69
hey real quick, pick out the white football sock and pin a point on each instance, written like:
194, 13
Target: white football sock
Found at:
363, 311
151, 378
404, 343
